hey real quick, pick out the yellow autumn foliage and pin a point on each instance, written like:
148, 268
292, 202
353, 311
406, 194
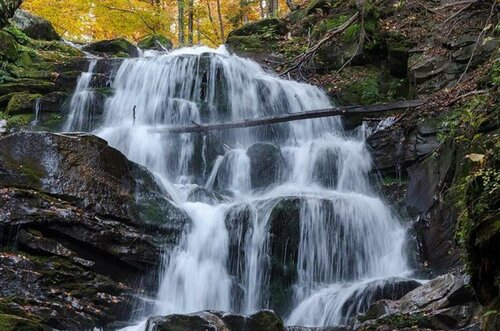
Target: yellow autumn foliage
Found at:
89, 20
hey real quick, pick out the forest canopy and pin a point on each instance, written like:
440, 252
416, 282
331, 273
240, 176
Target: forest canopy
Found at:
184, 21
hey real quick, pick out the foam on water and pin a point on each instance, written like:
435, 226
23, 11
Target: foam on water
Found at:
347, 234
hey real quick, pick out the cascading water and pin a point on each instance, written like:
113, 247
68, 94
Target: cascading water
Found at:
345, 237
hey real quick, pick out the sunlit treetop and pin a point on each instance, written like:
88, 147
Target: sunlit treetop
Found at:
194, 21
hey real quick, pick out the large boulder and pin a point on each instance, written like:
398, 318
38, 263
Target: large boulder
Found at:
155, 42
87, 224
116, 47
444, 303
34, 26
257, 36
265, 164
264, 320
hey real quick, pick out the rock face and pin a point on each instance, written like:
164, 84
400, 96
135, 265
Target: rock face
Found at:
82, 218
265, 161
444, 303
115, 47
34, 26
392, 147
264, 320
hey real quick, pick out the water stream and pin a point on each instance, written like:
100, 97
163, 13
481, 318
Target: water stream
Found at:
293, 204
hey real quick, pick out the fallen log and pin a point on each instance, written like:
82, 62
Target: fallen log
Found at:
282, 118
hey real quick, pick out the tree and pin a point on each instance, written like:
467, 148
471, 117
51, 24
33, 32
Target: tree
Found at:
273, 8
190, 21
180, 20
7, 10
221, 23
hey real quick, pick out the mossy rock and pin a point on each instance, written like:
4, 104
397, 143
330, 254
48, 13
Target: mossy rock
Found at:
155, 42
364, 85
34, 26
16, 323
8, 50
21, 103
116, 47
252, 44
268, 27
22, 85
322, 6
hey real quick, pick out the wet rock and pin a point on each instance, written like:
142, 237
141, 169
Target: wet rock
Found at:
115, 47
201, 194
34, 26
445, 303
155, 42
264, 320
82, 218
52, 226
392, 148
90, 173
53, 102
437, 216
45, 293
284, 223
265, 164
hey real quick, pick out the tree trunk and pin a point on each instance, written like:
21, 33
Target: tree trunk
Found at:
221, 23
291, 5
7, 10
261, 7
243, 8
180, 20
211, 19
272, 9
338, 111
190, 22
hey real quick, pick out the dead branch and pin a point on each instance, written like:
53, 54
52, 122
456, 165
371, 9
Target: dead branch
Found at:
479, 37
312, 50
320, 113
458, 12
454, 4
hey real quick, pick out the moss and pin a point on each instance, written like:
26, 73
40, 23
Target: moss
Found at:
323, 6
297, 15
328, 24
151, 42
250, 44
20, 36
418, 320
16, 323
21, 103
19, 120
9, 48
22, 85
368, 85
268, 28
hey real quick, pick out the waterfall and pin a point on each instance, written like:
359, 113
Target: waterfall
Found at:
284, 216
82, 103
